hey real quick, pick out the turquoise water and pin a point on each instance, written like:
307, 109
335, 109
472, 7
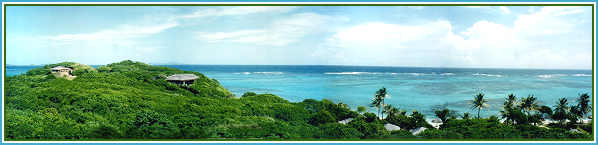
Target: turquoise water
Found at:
410, 89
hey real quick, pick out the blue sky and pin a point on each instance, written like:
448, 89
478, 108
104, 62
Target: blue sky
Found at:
430, 36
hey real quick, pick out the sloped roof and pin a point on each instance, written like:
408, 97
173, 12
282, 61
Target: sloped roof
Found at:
417, 130
181, 77
60, 68
345, 121
391, 127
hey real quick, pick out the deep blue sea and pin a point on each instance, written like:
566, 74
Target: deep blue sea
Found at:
409, 88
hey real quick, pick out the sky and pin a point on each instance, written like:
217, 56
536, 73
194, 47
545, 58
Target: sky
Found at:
551, 37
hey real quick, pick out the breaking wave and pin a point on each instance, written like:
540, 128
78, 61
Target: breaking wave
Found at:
487, 75
383, 73
551, 75
248, 73
275, 73
563, 75
447, 74
581, 75
349, 73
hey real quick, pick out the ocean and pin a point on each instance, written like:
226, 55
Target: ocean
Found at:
410, 88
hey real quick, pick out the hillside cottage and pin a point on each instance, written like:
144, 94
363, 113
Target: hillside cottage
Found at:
182, 79
61, 71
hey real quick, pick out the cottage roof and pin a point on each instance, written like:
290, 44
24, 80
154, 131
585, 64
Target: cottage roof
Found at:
60, 68
181, 77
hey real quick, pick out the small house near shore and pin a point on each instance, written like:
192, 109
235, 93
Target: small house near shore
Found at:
182, 79
61, 71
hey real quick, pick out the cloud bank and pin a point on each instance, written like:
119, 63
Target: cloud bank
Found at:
508, 37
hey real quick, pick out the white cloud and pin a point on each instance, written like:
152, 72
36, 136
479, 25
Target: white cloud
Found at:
279, 33
544, 39
505, 10
100, 47
242, 10
491, 9
129, 41
381, 34
122, 32
228, 35
380, 43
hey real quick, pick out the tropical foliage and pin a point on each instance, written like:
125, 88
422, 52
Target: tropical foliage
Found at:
479, 103
132, 100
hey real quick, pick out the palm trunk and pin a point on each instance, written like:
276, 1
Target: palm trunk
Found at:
378, 112
479, 113
382, 117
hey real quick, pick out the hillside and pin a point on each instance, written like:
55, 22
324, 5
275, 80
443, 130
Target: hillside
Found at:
132, 100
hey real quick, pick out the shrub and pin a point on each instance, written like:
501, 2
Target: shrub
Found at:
247, 94
265, 98
434, 133
401, 134
370, 117
105, 131
322, 117
369, 130
337, 130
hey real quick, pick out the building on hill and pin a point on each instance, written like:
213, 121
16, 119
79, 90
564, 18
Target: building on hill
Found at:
182, 79
61, 71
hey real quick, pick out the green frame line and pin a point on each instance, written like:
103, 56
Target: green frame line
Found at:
372, 139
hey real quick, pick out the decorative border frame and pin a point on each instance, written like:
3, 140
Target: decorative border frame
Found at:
292, 3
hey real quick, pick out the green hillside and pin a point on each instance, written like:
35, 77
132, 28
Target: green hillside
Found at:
132, 100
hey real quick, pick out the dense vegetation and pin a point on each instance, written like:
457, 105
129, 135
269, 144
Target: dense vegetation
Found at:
132, 100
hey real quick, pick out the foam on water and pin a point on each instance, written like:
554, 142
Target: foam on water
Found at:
487, 75
346, 73
248, 73
382, 73
447, 74
551, 75
581, 75
276, 73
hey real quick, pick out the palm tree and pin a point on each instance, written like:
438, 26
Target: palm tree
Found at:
511, 100
465, 115
389, 110
575, 113
528, 104
378, 100
479, 103
382, 94
545, 111
507, 112
444, 114
560, 111
584, 104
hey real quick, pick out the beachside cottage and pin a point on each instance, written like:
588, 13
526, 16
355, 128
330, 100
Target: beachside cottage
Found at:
61, 71
182, 79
